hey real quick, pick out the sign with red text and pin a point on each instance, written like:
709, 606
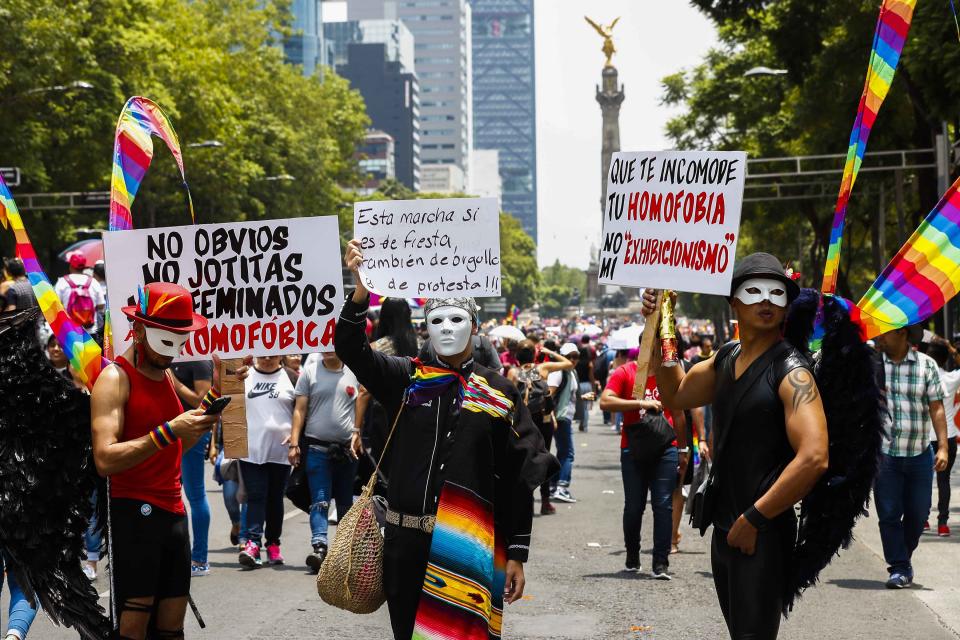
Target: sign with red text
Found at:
671, 220
430, 248
266, 288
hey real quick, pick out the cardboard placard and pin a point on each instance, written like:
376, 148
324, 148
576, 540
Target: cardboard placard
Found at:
672, 219
430, 248
234, 417
266, 288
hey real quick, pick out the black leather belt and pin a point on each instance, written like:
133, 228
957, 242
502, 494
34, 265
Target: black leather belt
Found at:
423, 523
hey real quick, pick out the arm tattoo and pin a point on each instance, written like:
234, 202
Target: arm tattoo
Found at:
804, 387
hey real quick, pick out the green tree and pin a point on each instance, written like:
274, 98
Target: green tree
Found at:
824, 47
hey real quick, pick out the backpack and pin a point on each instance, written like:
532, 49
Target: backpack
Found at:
80, 306
534, 391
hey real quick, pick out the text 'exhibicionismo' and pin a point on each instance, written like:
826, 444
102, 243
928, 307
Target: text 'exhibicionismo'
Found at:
264, 288
430, 248
671, 219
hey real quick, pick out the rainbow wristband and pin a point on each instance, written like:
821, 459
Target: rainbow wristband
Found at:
208, 399
163, 436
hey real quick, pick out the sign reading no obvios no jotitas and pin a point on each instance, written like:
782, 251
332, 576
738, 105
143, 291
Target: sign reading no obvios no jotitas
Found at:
672, 219
430, 248
266, 288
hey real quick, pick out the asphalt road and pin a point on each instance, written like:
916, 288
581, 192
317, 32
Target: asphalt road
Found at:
575, 589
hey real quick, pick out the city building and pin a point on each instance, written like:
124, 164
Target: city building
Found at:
305, 45
504, 99
390, 91
442, 31
442, 178
376, 159
392, 33
485, 179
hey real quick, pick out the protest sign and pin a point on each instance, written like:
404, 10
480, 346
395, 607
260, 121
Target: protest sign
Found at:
266, 288
430, 248
234, 417
671, 220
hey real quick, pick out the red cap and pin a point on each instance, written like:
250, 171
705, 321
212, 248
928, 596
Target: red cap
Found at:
77, 260
166, 306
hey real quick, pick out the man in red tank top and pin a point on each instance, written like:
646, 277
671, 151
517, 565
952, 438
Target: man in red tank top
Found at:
139, 431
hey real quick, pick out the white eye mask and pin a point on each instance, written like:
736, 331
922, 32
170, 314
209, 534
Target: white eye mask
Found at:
450, 329
756, 290
166, 343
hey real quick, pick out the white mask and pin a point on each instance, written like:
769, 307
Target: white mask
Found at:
450, 329
166, 343
756, 290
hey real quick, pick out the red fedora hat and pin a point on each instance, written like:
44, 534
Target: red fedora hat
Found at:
165, 306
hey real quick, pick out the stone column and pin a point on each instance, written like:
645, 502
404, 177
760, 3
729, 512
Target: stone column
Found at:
610, 98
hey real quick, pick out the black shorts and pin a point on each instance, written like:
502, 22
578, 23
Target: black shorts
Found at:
151, 552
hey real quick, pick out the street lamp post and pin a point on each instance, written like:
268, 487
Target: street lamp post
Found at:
206, 144
764, 71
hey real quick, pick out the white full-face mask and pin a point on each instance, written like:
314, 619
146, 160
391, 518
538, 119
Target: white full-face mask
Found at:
756, 290
166, 343
450, 329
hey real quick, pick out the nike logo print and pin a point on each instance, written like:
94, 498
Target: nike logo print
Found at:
261, 389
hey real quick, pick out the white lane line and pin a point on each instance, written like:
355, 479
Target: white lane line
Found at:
292, 514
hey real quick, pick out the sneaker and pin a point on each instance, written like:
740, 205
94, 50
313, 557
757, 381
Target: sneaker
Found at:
632, 565
273, 554
661, 571
315, 559
547, 509
899, 581
562, 494
250, 556
926, 526
89, 571
943, 531
199, 570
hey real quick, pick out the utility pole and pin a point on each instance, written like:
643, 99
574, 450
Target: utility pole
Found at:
943, 183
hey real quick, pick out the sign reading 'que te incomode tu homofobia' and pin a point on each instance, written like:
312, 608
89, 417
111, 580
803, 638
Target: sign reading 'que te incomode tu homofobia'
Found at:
266, 288
672, 218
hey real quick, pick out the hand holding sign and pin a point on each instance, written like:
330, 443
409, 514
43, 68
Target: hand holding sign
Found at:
428, 248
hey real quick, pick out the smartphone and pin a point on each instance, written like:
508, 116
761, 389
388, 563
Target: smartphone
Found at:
217, 406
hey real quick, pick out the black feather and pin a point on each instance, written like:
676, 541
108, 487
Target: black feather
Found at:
46, 479
853, 403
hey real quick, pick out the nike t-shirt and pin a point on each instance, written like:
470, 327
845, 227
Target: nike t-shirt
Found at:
331, 400
269, 404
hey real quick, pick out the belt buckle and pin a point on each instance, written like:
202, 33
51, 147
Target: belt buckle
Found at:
427, 523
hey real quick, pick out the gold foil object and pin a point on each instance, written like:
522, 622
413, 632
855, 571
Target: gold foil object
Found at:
668, 332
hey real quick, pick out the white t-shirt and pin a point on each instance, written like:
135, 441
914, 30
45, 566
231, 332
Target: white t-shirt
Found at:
566, 407
950, 381
62, 289
269, 405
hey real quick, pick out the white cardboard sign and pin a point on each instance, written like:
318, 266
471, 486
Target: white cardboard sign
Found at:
266, 288
430, 248
672, 219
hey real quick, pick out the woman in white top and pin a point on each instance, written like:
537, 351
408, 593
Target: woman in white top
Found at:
269, 406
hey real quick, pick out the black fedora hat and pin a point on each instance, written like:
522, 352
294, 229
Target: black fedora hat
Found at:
762, 265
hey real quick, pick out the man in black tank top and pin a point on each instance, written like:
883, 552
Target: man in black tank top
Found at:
769, 443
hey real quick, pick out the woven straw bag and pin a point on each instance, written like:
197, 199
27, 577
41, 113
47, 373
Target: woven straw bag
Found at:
351, 576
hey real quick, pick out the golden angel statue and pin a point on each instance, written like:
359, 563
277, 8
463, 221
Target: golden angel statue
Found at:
607, 33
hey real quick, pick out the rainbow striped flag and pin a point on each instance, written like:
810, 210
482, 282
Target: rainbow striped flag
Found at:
891, 32
462, 595
84, 354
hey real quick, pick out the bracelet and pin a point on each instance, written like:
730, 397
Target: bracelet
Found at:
293, 446
357, 431
208, 399
163, 436
757, 519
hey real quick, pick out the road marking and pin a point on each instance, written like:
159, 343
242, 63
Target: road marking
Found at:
292, 514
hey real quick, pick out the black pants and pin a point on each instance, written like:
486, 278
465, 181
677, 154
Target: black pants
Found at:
750, 588
546, 430
943, 483
405, 554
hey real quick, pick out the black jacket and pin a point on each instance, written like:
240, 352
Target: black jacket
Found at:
502, 460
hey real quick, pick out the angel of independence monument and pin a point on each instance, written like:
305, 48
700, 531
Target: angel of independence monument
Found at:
610, 96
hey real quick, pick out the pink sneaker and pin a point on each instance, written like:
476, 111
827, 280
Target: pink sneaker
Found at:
250, 556
273, 554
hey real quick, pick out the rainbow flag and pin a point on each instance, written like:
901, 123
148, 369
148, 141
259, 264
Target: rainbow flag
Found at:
462, 595
85, 355
427, 383
923, 275
893, 25
139, 119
